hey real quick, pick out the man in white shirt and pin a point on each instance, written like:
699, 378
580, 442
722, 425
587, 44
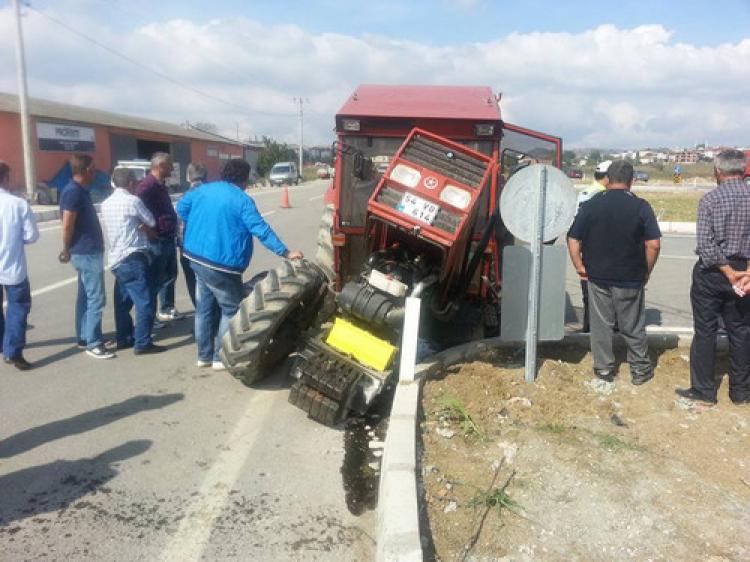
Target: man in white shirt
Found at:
17, 228
128, 224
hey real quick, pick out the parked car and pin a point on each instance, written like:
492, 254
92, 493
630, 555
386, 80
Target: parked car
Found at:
638, 175
284, 173
575, 174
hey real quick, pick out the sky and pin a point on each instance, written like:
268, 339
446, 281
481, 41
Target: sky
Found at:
643, 74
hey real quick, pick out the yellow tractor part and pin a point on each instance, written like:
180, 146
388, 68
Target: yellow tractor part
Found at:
369, 350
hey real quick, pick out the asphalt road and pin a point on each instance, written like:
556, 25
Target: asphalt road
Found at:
150, 458
668, 290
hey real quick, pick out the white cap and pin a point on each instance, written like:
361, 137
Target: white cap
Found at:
602, 167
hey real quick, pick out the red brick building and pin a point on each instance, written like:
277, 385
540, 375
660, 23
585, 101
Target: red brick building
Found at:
60, 130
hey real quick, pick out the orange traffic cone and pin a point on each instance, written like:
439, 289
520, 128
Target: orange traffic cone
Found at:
285, 197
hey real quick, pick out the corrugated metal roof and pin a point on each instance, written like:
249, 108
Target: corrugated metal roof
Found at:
54, 110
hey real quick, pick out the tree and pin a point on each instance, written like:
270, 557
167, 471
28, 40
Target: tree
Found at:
273, 152
568, 156
595, 157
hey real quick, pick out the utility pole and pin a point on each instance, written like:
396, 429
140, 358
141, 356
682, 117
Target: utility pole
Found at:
23, 102
301, 102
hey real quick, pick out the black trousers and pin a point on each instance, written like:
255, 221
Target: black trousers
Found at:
189, 276
711, 297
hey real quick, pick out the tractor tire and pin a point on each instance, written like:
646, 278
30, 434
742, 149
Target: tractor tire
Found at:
269, 322
324, 254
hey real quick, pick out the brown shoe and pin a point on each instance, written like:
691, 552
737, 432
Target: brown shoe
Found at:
19, 363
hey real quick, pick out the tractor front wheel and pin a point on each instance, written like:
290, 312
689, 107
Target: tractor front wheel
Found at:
270, 320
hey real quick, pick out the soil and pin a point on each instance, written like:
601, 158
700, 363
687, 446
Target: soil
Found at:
571, 468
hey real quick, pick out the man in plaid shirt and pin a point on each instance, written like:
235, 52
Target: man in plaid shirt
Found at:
720, 283
129, 224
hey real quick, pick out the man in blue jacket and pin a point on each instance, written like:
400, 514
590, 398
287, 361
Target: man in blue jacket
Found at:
221, 222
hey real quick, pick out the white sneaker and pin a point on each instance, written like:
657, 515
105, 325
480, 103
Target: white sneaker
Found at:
218, 366
169, 315
200, 363
99, 352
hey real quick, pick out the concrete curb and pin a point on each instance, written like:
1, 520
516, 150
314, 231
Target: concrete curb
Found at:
677, 227
398, 537
54, 214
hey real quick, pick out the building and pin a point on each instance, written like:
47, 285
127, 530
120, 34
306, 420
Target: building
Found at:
59, 130
684, 156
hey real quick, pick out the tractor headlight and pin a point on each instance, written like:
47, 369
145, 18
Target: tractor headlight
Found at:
406, 175
459, 198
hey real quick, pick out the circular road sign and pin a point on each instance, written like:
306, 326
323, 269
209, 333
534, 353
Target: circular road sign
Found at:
518, 198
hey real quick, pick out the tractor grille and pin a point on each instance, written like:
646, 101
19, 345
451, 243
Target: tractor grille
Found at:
435, 156
445, 220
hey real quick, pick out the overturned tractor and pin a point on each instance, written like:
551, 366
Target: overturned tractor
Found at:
412, 211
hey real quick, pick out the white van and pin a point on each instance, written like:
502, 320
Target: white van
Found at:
142, 167
284, 173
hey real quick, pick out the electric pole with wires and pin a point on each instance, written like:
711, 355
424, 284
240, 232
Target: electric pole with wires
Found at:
300, 114
23, 102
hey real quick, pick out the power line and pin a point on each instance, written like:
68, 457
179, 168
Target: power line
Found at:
153, 71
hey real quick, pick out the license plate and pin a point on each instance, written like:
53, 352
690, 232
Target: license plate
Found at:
418, 208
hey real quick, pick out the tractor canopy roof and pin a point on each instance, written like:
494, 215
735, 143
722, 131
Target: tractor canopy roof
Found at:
473, 103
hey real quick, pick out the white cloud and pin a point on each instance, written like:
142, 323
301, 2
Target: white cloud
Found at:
605, 86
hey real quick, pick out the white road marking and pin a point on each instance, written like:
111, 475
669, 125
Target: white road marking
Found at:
47, 229
194, 532
59, 284
317, 197
674, 257
70, 280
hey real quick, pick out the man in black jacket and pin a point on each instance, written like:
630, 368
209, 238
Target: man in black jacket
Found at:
614, 244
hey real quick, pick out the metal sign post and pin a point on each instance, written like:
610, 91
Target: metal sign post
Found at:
532, 324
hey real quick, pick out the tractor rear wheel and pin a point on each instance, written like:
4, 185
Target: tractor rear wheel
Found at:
270, 320
324, 254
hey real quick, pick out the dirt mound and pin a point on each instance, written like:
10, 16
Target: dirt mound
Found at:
572, 468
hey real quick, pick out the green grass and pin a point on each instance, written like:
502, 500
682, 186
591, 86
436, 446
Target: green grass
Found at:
662, 173
674, 207
614, 443
607, 441
495, 498
455, 410
555, 428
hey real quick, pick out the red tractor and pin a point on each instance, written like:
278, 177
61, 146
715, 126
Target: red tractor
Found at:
412, 211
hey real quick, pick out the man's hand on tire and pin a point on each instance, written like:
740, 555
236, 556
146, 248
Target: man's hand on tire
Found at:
294, 255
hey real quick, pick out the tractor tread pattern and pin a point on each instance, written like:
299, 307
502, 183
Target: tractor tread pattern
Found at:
315, 404
324, 253
269, 321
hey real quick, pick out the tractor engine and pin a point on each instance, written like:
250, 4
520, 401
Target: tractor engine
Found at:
421, 227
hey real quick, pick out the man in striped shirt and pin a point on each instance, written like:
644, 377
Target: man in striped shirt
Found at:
719, 283
129, 224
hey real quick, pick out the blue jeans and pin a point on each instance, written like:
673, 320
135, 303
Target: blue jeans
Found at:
91, 300
164, 272
133, 287
13, 328
218, 297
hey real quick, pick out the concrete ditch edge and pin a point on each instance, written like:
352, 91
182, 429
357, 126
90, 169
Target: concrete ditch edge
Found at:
399, 538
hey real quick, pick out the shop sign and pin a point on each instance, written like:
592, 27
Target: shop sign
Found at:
64, 137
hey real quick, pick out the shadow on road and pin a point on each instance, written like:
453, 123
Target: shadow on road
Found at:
56, 485
36, 436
